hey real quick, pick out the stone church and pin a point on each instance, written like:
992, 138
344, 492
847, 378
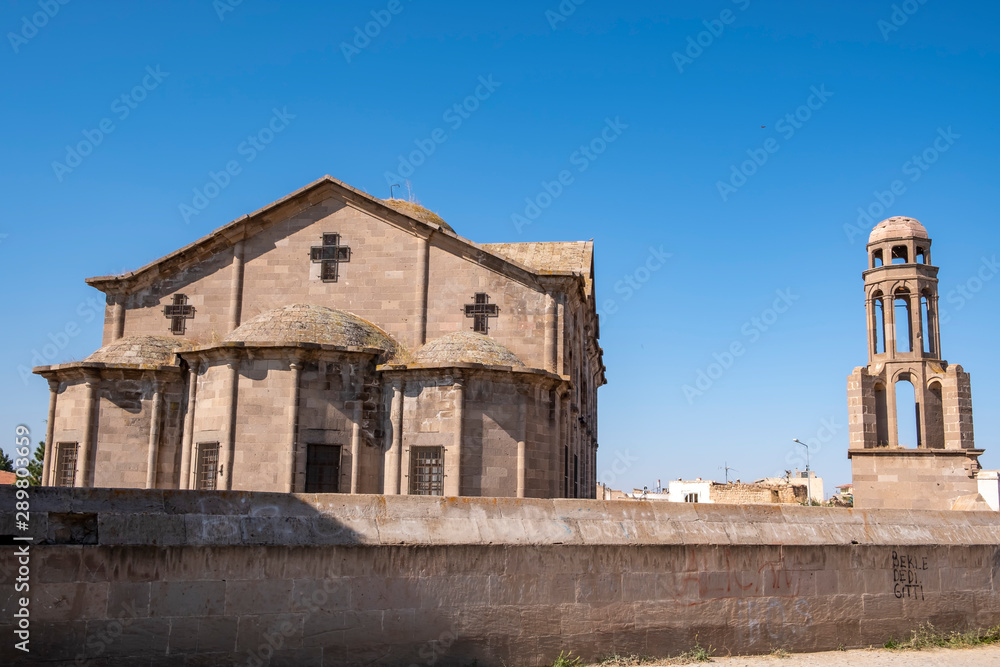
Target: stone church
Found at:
940, 469
333, 342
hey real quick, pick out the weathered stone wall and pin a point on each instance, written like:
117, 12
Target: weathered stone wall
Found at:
919, 479
183, 577
756, 494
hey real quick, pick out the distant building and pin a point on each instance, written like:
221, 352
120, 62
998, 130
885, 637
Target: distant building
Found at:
989, 487
7, 477
772, 490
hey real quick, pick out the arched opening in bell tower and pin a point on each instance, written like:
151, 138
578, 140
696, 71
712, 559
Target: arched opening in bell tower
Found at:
878, 337
925, 323
934, 414
881, 416
904, 321
907, 422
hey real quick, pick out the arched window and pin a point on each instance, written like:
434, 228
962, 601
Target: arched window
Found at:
934, 416
878, 339
899, 254
877, 258
907, 428
881, 417
925, 320
904, 323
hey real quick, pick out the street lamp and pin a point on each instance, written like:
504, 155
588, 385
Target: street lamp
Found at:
809, 490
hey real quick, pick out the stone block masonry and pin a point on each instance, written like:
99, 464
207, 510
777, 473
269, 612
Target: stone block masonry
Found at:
154, 577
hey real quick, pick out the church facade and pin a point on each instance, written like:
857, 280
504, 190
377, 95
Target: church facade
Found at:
333, 342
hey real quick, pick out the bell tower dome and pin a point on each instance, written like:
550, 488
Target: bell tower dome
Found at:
904, 346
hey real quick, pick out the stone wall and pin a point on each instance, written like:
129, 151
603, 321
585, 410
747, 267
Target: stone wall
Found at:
186, 577
923, 479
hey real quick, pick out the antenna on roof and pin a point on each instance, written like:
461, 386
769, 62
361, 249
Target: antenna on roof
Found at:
725, 466
394, 185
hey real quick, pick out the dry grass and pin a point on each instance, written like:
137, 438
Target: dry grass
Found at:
927, 636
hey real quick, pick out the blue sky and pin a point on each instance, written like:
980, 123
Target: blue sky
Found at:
649, 111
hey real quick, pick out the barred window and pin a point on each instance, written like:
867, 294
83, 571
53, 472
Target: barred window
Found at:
208, 466
427, 471
691, 498
66, 464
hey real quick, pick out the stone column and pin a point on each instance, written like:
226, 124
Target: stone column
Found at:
892, 423
551, 334
423, 263
522, 441
917, 324
356, 442
83, 459
560, 334
50, 430
228, 453
889, 316
453, 455
118, 318
293, 427
154, 435
390, 486
236, 287
188, 442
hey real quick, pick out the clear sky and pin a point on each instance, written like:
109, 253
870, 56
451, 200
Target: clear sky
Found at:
714, 151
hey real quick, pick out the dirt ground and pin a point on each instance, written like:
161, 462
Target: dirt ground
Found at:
983, 656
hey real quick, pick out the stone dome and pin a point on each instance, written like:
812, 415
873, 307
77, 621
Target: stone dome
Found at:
417, 211
466, 347
306, 323
897, 227
140, 351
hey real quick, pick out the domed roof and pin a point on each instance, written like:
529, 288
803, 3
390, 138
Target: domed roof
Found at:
897, 227
306, 323
415, 210
466, 347
140, 351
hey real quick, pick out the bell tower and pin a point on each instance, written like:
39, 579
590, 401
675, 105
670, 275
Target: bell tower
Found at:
906, 380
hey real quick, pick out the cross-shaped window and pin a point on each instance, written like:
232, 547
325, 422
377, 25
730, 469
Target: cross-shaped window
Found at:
330, 255
481, 311
178, 313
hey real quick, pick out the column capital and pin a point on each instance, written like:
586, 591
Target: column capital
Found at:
54, 385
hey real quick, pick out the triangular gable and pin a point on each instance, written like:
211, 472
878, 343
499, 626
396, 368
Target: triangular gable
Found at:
248, 225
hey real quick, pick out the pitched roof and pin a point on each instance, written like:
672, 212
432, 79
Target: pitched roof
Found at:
546, 257
7, 477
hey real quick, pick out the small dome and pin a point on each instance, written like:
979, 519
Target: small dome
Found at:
466, 347
140, 351
417, 211
305, 323
897, 227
